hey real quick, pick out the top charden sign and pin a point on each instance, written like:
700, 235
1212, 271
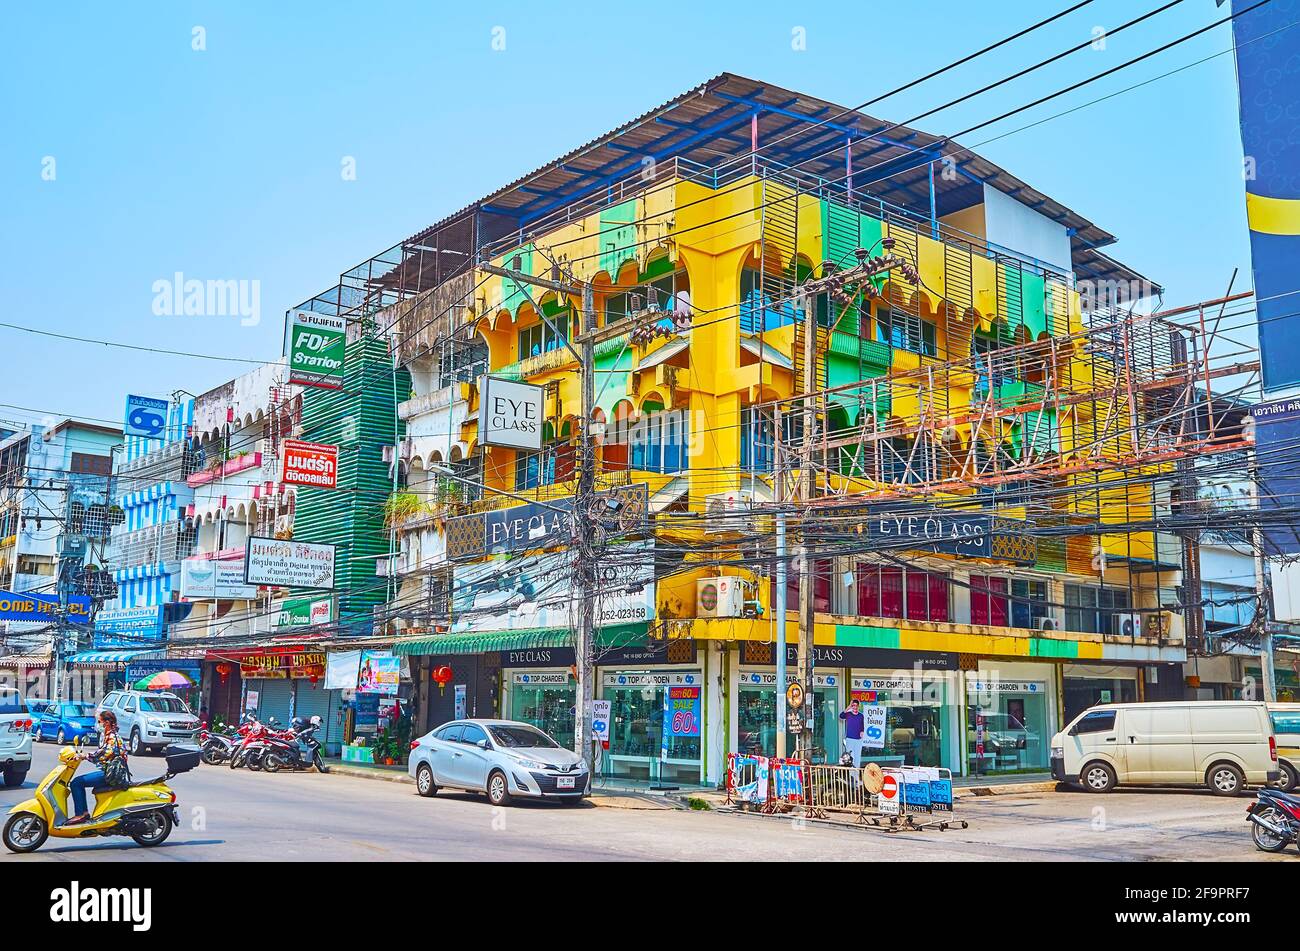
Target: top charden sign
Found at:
309, 463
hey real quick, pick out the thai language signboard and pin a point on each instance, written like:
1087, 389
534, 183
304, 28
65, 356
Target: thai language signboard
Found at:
128, 627
312, 464
281, 563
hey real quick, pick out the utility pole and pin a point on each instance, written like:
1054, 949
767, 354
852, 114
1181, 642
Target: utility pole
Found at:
843, 287
779, 606
584, 528
585, 636
803, 739
1264, 585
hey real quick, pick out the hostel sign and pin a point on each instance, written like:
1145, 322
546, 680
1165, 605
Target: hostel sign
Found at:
317, 344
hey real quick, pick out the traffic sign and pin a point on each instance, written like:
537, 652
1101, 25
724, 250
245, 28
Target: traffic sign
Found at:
890, 800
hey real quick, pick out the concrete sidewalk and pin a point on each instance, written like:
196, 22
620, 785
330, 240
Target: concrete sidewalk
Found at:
639, 798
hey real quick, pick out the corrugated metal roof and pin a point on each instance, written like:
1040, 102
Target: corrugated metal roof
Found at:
710, 124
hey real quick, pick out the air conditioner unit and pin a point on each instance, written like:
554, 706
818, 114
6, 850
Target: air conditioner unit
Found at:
721, 596
1048, 623
728, 511
1128, 625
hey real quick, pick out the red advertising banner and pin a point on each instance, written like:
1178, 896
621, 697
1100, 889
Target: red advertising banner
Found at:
309, 463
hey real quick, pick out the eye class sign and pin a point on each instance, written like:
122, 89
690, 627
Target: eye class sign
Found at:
511, 413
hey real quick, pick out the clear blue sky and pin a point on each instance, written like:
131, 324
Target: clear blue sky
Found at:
225, 163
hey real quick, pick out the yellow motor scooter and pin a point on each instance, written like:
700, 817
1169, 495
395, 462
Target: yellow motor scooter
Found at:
145, 811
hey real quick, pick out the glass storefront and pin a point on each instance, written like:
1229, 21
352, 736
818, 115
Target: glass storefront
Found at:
655, 725
756, 715
1007, 725
1093, 687
544, 698
917, 720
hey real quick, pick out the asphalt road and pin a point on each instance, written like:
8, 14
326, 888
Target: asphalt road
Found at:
237, 815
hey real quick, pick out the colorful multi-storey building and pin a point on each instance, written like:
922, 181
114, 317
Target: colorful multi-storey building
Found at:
968, 388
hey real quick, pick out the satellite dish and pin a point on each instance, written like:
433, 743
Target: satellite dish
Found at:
873, 777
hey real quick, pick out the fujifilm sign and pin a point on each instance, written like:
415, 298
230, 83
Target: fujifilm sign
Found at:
317, 343
511, 413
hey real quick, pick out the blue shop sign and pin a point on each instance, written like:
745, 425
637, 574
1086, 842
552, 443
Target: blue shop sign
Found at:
128, 627
140, 669
20, 606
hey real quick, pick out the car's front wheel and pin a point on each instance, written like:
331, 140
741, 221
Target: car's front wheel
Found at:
1098, 778
134, 746
61, 738
498, 789
424, 783
38, 736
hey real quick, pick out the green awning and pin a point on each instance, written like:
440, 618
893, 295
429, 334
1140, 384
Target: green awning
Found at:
484, 642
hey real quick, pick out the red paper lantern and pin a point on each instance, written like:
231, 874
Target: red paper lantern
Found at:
442, 676
223, 671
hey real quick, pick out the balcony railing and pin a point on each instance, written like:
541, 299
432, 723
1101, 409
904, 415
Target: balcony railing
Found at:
171, 541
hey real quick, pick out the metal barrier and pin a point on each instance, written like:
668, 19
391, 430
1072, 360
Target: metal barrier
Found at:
914, 797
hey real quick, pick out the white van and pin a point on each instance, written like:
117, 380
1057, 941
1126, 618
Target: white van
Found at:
1222, 744
1286, 730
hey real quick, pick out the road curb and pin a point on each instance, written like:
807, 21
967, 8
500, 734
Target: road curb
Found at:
603, 800
1003, 789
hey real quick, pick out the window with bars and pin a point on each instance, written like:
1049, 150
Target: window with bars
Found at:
904, 331
462, 361
663, 294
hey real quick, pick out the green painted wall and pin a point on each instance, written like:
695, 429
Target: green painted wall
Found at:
358, 419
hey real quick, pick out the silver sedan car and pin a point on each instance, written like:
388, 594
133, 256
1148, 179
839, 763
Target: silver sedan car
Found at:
502, 758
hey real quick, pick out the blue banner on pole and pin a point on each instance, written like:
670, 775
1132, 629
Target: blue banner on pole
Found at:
1267, 51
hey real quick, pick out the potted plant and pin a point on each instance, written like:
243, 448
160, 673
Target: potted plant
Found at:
401, 507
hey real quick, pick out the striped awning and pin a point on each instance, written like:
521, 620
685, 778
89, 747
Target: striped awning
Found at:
482, 642
116, 656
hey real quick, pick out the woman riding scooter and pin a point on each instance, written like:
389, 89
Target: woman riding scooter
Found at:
112, 772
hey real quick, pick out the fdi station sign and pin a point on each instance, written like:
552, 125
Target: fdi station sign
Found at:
311, 464
278, 563
317, 344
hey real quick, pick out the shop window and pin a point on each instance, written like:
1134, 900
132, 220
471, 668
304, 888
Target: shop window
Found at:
989, 603
896, 593
1028, 603
822, 575
1092, 610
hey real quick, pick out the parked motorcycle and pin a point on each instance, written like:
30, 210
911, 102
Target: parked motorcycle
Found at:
249, 751
299, 752
1274, 819
217, 747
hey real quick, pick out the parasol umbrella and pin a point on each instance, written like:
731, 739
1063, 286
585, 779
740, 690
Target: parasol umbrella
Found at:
163, 680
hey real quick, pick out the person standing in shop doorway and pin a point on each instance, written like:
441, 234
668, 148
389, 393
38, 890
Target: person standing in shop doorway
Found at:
853, 722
